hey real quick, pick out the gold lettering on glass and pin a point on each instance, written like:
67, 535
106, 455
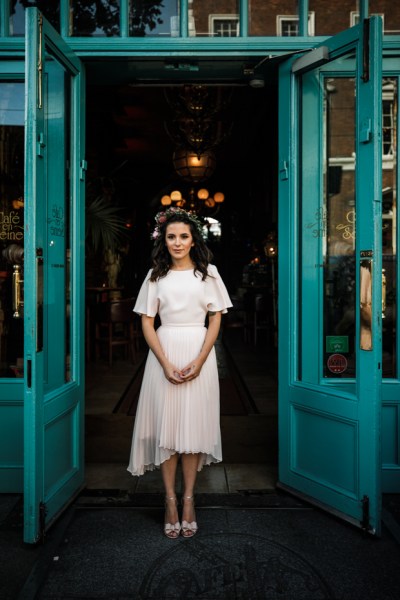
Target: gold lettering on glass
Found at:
318, 227
11, 229
348, 227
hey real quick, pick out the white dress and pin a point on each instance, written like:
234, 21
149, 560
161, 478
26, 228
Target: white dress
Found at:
179, 418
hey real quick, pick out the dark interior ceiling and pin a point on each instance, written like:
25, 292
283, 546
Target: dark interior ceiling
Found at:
128, 142
129, 146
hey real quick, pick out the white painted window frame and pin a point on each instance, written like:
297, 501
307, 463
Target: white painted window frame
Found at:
222, 17
280, 19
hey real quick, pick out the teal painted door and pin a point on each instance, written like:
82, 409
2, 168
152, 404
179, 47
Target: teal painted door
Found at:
12, 93
330, 275
53, 277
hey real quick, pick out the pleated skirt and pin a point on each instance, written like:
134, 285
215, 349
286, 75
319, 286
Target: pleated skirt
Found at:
181, 418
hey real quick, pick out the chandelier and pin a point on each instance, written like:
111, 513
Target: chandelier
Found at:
197, 128
194, 167
199, 201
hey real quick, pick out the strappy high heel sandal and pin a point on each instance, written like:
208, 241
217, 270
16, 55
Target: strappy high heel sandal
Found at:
188, 529
171, 530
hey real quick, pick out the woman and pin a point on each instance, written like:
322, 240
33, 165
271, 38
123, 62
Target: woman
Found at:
178, 408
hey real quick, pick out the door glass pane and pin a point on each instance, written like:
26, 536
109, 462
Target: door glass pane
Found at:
328, 19
338, 251
214, 19
51, 10
389, 225
93, 18
11, 226
390, 13
154, 18
57, 251
267, 17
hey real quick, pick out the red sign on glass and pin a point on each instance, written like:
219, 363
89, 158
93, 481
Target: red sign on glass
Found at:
337, 363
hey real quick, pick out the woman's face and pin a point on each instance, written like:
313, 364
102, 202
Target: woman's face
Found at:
179, 241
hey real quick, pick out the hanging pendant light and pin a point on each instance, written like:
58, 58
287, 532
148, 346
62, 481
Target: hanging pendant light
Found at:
193, 167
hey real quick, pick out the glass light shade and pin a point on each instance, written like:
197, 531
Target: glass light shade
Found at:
202, 194
210, 202
181, 203
166, 200
219, 197
176, 195
194, 168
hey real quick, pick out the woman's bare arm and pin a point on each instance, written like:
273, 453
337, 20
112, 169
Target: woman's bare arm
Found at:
170, 371
192, 370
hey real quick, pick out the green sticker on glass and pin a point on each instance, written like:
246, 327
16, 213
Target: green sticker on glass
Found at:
337, 343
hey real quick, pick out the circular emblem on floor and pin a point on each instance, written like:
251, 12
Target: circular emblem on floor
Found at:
232, 566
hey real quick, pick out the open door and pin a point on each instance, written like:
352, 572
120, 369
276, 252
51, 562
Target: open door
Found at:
330, 275
53, 277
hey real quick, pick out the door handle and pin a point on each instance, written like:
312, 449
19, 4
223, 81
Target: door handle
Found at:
17, 292
383, 293
366, 312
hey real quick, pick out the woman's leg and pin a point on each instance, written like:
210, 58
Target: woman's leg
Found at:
189, 470
168, 471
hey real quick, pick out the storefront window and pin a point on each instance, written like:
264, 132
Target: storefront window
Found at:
274, 18
330, 19
214, 18
154, 18
94, 18
11, 226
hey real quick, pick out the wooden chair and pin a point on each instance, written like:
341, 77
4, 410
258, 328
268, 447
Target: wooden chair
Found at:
237, 317
262, 315
116, 326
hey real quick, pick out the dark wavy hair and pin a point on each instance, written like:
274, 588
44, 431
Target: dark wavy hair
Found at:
199, 253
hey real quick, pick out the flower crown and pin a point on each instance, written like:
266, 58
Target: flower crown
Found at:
163, 216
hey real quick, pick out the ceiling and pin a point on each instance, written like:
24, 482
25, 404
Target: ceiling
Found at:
128, 139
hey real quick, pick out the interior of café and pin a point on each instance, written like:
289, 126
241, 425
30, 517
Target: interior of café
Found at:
210, 149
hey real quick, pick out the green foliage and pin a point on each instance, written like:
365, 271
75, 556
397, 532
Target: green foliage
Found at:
105, 227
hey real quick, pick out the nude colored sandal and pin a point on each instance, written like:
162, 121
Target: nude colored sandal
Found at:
188, 529
172, 530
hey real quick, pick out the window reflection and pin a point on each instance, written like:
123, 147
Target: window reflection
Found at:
339, 207
94, 18
51, 10
389, 225
339, 252
11, 223
154, 18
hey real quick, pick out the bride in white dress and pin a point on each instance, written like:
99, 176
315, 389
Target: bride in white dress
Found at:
178, 408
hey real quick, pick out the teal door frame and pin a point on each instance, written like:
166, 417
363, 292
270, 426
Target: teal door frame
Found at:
329, 434
54, 277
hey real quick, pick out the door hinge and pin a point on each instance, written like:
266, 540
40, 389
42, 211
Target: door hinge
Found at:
365, 524
40, 145
283, 170
42, 521
82, 169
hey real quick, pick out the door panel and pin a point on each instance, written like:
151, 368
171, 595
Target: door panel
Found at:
54, 275
330, 331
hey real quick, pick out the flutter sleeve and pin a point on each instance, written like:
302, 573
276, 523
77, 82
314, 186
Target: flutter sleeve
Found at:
147, 300
217, 297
